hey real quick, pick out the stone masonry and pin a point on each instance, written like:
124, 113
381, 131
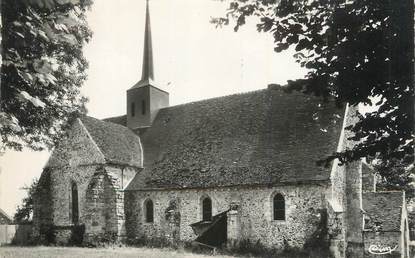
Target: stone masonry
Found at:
79, 161
304, 205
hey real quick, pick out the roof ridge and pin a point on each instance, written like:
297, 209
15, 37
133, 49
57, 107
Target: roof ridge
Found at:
108, 122
92, 139
5, 214
105, 119
117, 143
217, 98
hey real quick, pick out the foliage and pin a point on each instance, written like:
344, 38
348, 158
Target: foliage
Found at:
172, 213
71, 252
106, 239
24, 212
357, 52
48, 233
257, 249
395, 176
153, 242
77, 235
43, 69
318, 239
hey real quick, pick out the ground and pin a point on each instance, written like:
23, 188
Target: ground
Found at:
75, 252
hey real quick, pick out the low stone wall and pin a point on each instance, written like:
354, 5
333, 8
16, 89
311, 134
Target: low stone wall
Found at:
7, 234
63, 235
15, 234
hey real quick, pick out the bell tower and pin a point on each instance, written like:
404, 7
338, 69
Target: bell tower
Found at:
144, 99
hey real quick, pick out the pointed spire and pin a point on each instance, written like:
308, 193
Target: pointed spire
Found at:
147, 73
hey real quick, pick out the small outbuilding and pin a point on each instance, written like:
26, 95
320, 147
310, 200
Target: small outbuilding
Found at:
4, 218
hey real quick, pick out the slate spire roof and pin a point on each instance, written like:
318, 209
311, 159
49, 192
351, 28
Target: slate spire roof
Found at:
147, 73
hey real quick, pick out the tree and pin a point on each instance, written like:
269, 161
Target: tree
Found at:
393, 176
24, 212
357, 52
43, 68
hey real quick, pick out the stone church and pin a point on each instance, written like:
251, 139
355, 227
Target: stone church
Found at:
239, 168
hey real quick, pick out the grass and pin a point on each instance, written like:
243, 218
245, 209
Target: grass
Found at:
72, 252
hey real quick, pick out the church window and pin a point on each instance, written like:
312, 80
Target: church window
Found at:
207, 209
143, 107
75, 208
279, 207
149, 211
132, 109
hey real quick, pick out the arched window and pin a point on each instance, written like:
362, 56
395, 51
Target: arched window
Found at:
149, 211
75, 208
207, 209
279, 207
143, 107
132, 109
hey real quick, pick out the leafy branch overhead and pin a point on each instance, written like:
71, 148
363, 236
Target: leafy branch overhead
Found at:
43, 68
357, 52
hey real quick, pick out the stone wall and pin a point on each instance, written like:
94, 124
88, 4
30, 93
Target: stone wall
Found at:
368, 179
42, 207
100, 214
336, 199
338, 181
304, 204
61, 180
16, 234
100, 202
353, 213
77, 160
347, 189
336, 210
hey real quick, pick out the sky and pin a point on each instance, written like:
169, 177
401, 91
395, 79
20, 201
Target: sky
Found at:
193, 60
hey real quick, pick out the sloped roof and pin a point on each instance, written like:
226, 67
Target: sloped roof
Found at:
121, 120
383, 210
4, 218
117, 143
262, 137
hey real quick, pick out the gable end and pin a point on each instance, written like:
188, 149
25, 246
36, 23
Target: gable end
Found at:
78, 148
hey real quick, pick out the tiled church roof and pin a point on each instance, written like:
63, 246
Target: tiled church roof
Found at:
262, 137
118, 143
121, 120
383, 210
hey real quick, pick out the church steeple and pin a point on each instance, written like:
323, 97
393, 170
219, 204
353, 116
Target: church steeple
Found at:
144, 99
147, 72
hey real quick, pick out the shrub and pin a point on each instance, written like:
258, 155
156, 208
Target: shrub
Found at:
77, 235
